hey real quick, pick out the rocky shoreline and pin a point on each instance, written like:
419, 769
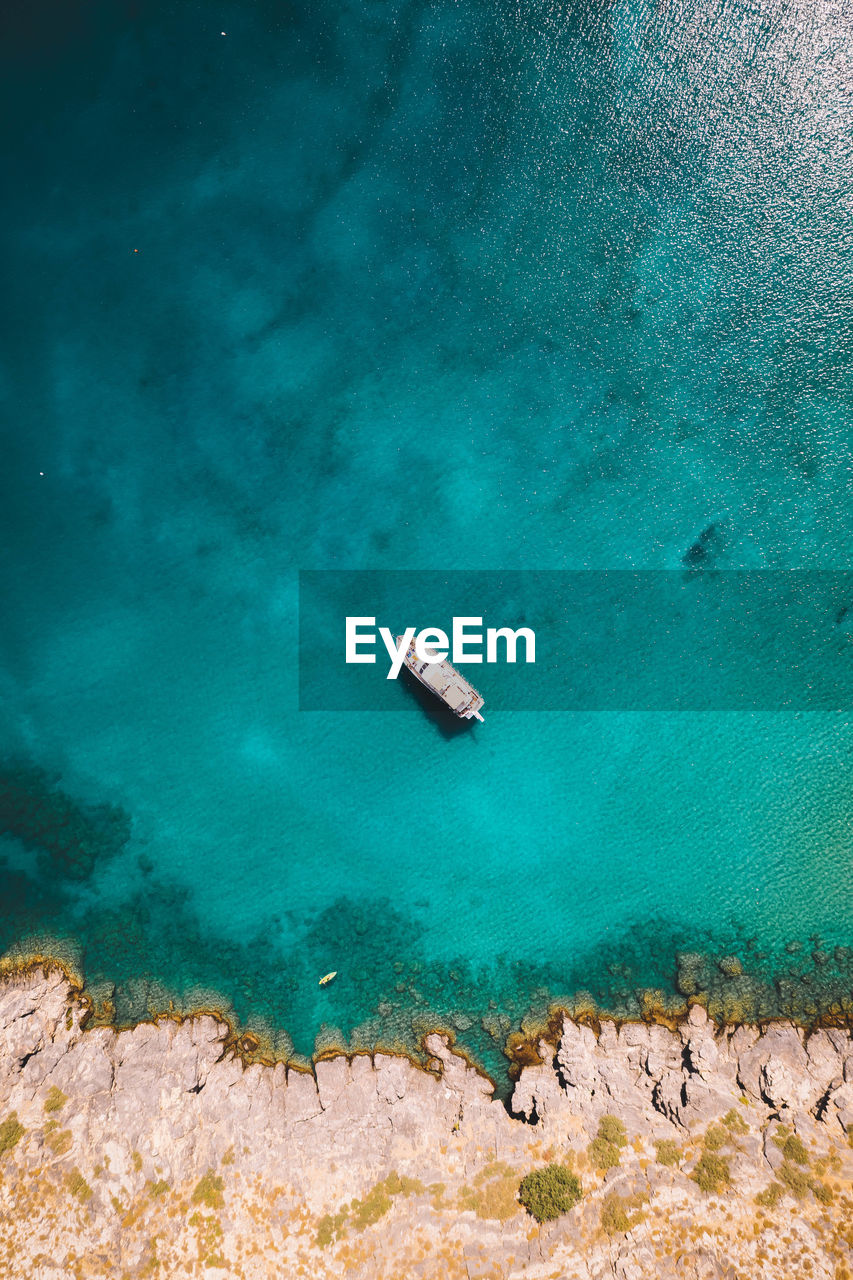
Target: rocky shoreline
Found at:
159, 1151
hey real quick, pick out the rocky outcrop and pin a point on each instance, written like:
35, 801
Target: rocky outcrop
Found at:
650, 1075
158, 1151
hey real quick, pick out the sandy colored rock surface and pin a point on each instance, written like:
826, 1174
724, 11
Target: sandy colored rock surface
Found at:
157, 1152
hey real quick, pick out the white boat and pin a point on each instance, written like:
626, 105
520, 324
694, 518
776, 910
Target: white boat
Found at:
446, 683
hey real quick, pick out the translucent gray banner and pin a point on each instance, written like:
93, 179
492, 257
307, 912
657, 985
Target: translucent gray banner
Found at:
616, 640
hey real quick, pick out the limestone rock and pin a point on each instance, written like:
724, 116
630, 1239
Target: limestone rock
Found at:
159, 1145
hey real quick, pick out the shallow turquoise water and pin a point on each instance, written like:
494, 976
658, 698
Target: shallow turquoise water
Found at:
411, 286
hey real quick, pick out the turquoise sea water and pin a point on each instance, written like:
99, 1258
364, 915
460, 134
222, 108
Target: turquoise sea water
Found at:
412, 286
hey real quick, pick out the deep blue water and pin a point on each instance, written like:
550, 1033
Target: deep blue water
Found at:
411, 286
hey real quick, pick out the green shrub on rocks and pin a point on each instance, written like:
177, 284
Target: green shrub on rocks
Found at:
792, 1147
611, 1129
795, 1179
771, 1195
359, 1214
798, 1182
58, 1141
712, 1173
547, 1193
209, 1191
374, 1206
78, 1186
399, 1185
605, 1149
616, 1216
603, 1155
715, 1137
55, 1099
734, 1122
614, 1219
795, 1149
494, 1193
821, 1192
668, 1152
11, 1132
331, 1227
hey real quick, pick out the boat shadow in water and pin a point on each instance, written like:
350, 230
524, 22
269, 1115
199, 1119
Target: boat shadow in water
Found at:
447, 724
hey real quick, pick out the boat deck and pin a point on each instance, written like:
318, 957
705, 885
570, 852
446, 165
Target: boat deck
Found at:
446, 683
